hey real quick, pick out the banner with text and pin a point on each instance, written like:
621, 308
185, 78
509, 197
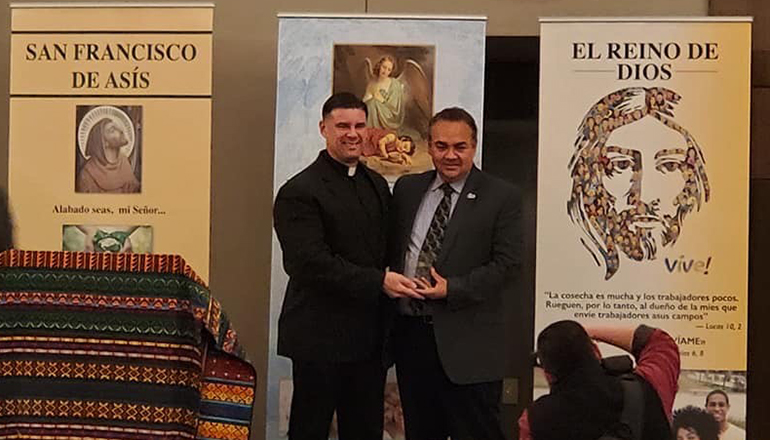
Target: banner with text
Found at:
110, 128
427, 63
643, 187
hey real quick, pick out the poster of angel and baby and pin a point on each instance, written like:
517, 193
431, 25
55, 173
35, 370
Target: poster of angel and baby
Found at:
404, 69
396, 83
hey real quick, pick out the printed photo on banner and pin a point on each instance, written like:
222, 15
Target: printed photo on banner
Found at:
108, 149
112, 239
711, 402
396, 83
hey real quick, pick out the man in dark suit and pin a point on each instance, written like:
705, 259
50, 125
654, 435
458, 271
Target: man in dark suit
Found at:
456, 233
331, 221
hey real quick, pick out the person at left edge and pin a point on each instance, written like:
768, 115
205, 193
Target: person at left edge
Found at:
6, 225
331, 221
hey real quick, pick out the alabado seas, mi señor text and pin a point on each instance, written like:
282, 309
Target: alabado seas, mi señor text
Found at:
129, 209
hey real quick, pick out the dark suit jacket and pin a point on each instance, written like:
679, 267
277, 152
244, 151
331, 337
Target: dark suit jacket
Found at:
335, 259
479, 256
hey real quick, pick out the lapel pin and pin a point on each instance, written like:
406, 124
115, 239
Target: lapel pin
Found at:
471, 196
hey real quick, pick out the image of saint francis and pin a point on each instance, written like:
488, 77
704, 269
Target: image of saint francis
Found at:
107, 152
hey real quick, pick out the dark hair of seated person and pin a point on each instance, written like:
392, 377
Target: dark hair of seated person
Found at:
6, 226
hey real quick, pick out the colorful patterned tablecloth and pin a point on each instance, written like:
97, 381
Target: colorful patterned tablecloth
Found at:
116, 346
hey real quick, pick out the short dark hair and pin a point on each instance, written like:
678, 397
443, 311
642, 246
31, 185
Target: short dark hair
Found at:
454, 114
342, 100
563, 347
698, 420
708, 396
6, 225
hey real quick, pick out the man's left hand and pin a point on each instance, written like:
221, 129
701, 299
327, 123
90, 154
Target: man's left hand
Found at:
437, 291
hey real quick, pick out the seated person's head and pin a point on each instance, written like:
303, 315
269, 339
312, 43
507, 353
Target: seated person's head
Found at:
6, 227
693, 423
406, 145
563, 347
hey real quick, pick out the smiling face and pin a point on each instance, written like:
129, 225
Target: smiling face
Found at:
452, 148
718, 407
344, 130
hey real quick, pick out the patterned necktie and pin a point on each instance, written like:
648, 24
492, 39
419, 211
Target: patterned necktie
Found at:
430, 250
435, 236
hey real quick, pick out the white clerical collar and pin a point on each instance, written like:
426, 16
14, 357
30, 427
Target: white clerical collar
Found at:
352, 170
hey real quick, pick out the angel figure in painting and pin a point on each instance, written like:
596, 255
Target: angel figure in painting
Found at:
389, 98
